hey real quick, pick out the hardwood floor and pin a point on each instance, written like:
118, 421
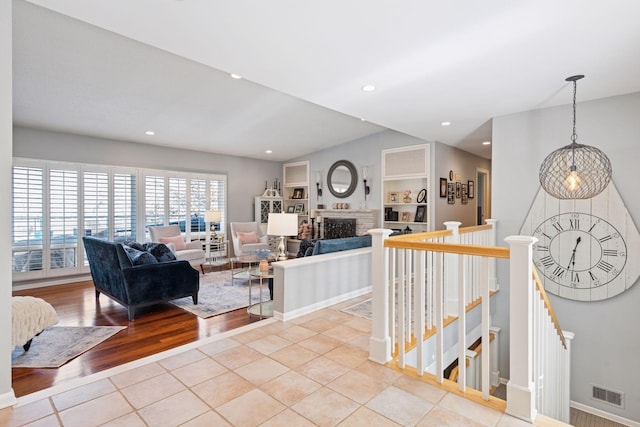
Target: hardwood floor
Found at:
156, 328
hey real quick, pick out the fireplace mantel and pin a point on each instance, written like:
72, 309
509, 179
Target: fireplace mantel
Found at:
365, 218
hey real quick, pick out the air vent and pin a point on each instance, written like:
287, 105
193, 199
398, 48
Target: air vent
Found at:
615, 398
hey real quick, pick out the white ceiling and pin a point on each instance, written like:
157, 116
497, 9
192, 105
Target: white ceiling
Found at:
164, 65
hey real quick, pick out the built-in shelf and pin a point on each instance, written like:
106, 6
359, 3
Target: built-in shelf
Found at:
406, 169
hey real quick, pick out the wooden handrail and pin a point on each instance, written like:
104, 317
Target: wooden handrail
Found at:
419, 237
454, 248
547, 304
475, 228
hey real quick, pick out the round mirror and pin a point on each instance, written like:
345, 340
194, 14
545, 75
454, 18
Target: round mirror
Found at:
342, 178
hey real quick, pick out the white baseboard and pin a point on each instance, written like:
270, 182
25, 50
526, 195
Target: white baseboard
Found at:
26, 285
602, 414
320, 305
7, 399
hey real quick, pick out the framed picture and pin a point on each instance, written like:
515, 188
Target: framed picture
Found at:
290, 209
464, 196
443, 187
393, 197
388, 214
299, 208
420, 211
451, 193
458, 190
471, 188
298, 193
405, 217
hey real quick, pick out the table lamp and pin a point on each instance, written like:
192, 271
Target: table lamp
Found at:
282, 224
211, 217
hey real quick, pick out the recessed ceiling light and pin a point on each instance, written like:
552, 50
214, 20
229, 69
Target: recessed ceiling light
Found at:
150, 132
235, 76
486, 143
268, 151
445, 123
368, 88
363, 120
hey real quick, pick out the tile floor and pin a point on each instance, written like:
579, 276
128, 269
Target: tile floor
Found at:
310, 371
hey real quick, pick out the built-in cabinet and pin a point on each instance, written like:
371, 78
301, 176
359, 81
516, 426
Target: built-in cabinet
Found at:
264, 205
406, 189
295, 189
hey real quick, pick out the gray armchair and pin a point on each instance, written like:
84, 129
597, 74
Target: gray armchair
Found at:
170, 235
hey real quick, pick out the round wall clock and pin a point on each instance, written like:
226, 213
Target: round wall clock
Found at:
584, 246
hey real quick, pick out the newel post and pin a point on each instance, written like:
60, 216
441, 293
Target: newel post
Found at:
521, 396
380, 341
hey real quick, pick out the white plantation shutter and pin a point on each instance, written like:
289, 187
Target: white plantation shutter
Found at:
154, 200
177, 199
28, 218
63, 218
124, 207
96, 204
217, 198
199, 204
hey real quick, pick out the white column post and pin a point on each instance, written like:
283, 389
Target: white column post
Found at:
7, 396
493, 278
451, 272
380, 342
520, 388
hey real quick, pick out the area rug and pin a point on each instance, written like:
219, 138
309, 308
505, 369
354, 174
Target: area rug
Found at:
217, 295
361, 309
57, 345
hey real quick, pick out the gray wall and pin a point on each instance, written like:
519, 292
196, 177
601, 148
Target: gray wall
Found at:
606, 346
361, 152
465, 164
245, 177
6, 393
367, 152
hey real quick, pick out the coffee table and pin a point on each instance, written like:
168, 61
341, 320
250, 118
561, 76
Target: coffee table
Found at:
261, 309
243, 263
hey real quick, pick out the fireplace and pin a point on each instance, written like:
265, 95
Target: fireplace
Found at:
335, 228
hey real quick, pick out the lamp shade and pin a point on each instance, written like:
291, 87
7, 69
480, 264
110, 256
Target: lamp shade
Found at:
282, 224
212, 216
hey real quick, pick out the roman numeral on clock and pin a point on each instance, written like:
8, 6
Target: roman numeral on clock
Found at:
605, 238
547, 261
605, 266
558, 227
559, 272
575, 277
610, 252
541, 248
574, 224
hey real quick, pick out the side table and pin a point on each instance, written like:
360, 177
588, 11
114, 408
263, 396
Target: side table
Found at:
261, 309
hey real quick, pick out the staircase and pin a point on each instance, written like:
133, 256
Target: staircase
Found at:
431, 301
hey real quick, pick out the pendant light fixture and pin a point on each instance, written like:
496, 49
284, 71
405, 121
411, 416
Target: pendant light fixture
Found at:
575, 171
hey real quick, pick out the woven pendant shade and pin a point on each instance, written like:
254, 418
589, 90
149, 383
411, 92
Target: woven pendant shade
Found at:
590, 177
575, 171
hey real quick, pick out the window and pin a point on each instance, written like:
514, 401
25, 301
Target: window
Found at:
55, 204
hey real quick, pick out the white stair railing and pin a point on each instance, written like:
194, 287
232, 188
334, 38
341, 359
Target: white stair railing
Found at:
426, 281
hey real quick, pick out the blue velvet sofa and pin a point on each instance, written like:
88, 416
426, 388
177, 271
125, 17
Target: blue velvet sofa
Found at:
146, 282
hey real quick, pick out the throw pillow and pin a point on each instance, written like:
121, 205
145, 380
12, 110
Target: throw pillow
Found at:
133, 244
250, 237
176, 241
139, 257
160, 251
